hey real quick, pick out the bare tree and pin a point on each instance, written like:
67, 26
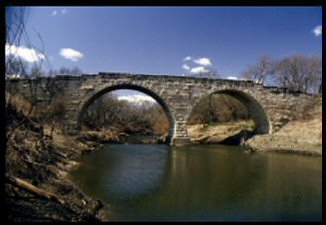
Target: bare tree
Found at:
16, 18
217, 108
36, 71
261, 70
17, 36
299, 73
16, 67
109, 112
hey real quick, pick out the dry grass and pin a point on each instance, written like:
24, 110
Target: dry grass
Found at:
303, 135
218, 132
309, 109
22, 105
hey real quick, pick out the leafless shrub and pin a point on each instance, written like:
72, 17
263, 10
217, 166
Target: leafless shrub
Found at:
108, 112
217, 108
306, 110
299, 73
260, 72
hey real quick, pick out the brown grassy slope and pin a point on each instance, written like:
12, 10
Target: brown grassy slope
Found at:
218, 132
36, 185
303, 135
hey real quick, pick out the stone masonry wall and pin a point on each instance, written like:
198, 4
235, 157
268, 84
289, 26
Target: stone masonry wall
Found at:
270, 107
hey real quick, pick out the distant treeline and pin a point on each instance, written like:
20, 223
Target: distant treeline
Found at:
218, 108
108, 112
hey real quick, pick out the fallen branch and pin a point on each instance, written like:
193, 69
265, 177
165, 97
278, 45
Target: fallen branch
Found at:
34, 190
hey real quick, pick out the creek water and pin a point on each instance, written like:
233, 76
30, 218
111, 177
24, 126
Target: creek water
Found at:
201, 183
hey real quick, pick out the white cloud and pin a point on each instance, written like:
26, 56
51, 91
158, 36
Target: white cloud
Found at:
57, 12
187, 58
28, 54
186, 67
71, 54
198, 70
232, 78
54, 13
203, 61
318, 30
197, 66
137, 99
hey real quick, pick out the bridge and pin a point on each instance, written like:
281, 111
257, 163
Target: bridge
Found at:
269, 107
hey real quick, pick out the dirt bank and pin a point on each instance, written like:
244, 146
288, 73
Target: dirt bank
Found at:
115, 135
303, 136
218, 133
36, 183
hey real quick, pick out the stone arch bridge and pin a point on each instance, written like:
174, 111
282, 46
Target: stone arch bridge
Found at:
270, 107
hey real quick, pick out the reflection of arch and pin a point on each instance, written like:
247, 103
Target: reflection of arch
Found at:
255, 109
157, 98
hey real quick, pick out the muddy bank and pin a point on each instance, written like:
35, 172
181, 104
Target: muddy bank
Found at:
36, 183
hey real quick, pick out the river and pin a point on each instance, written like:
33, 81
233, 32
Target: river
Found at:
201, 183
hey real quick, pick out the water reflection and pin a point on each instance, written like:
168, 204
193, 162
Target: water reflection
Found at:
123, 172
202, 183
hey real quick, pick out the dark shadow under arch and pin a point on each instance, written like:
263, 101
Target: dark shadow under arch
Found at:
144, 90
256, 111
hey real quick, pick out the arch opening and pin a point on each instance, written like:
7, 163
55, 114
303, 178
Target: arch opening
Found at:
137, 115
227, 117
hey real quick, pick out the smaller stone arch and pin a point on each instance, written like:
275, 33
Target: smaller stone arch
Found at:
95, 95
255, 109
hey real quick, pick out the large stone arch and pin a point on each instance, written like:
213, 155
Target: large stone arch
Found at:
272, 106
98, 93
255, 108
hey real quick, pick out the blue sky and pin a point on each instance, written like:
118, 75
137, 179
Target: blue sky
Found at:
156, 40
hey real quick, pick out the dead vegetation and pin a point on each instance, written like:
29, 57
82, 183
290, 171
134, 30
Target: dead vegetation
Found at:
217, 133
36, 185
109, 119
304, 135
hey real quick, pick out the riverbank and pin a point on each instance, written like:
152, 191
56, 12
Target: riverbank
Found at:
220, 133
115, 135
302, 136
37, 163
36, 184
